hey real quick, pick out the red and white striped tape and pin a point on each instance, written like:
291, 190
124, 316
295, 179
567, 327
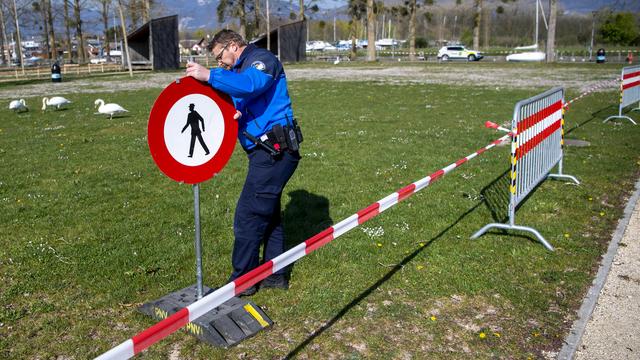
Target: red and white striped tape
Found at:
167, 326
606, 83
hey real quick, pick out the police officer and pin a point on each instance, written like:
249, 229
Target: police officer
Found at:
255, 80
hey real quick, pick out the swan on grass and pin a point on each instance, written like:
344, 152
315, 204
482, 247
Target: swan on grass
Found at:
18, 105
57, 101
109, 109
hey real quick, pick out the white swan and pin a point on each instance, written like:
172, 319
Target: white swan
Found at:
18, 105
56, 101
109, 109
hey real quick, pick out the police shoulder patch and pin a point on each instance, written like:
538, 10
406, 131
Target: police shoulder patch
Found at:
259, 65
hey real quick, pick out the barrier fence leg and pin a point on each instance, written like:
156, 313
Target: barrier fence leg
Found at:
619, 116
535, 232
560, 175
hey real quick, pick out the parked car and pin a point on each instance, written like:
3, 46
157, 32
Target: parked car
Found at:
458, 52
98, 60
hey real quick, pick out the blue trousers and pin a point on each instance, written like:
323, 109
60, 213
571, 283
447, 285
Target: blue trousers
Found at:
257, 219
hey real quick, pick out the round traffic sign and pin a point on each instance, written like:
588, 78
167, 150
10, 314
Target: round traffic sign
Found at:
191, 131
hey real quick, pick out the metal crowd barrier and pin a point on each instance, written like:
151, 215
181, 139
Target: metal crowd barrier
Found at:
536, 148
629, 91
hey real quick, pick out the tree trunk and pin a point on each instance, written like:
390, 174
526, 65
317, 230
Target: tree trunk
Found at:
147, 15
18, 38
477, 20
134, 15
45, 26
67, 26
243, 19
486, 27
124, 36
371, 32
352, 35
3, 39
105, 23
551, 34
52, 34
412, 30
301, 11
82, 56
257, 16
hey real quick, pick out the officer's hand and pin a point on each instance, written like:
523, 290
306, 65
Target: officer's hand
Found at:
237, 115
197, 71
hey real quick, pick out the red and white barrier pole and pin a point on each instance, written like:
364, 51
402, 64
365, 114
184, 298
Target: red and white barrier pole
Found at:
172, 323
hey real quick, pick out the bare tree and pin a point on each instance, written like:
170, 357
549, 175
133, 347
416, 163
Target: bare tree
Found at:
234, 9
371, 31
104, 12
357, 10
412, 30
52, 34
476, 23
301, 11
551, 34
67, 28
18, 38
413, 9
3, 39
147, 17
41, 7
135, 10
82, 56
124, 36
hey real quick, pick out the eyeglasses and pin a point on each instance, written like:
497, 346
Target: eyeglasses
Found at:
219, 56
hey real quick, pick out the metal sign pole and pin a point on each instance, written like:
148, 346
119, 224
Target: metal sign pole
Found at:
196, 207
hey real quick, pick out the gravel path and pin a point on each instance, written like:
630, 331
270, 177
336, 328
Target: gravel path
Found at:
613, 331
572, 78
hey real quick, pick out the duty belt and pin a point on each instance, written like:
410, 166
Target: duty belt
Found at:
279, 138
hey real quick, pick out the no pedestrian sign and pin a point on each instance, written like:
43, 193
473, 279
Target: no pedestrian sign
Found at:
191, 131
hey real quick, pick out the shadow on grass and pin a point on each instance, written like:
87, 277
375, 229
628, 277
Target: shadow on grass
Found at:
598, 115
496, 196
305, 215
377, 284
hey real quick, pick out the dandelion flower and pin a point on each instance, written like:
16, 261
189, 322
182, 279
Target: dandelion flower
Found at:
421, 244
601, 213
419, 267
496, 334
379, 244
433, 318
482, 335
590, 198
566, 235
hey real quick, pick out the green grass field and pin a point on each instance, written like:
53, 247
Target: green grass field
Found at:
90, 228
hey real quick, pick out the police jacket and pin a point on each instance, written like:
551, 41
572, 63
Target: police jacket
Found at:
258, 87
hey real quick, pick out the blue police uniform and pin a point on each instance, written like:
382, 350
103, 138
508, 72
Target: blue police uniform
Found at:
258, 87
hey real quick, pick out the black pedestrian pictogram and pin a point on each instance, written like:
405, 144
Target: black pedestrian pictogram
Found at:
193, 120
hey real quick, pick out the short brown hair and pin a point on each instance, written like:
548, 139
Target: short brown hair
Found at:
226, 36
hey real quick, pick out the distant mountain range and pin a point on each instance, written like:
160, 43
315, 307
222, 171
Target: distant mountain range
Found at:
195, 14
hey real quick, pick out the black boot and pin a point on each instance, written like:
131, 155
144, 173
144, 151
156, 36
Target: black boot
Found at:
275, 281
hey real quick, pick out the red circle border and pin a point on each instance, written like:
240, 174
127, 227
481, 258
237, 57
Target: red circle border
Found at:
155, 132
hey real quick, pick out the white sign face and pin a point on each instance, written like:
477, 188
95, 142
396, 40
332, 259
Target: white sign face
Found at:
194, 129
